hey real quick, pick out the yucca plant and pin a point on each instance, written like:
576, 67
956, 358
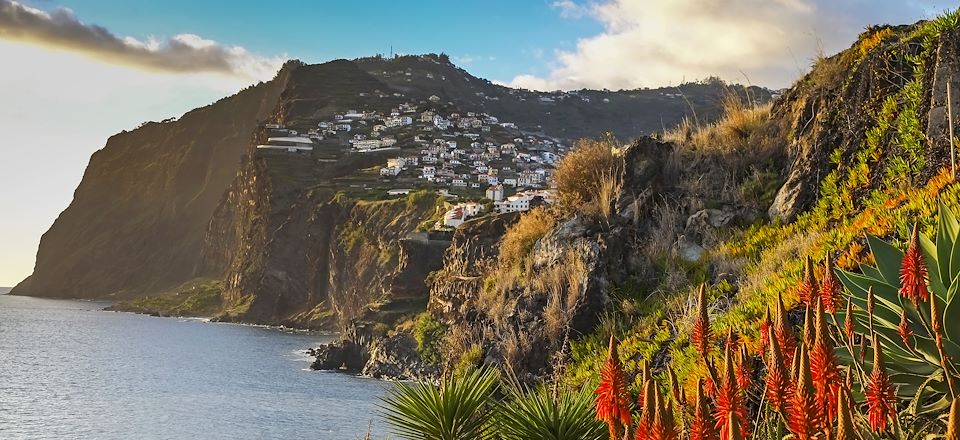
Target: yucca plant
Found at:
537, 414
460, 408
909, 301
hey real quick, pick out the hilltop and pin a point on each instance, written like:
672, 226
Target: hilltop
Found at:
190, 208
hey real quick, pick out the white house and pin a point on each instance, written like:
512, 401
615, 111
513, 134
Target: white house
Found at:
289, 144
514, 203
389, 171
495, 193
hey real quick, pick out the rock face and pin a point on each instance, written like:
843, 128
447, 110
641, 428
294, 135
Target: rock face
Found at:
138, 219
171, 202
385, 357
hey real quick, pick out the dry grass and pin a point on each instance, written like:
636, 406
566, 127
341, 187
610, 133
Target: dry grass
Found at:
563, 284
588, 178
520, 238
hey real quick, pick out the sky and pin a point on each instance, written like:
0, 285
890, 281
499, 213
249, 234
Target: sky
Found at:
77, 71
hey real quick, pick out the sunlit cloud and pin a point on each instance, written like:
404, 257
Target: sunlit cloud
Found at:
183, 53
663, 42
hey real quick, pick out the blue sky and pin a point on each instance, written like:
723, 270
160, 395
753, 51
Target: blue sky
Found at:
497, 40
78, 71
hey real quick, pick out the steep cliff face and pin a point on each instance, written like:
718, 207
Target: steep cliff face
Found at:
137, 221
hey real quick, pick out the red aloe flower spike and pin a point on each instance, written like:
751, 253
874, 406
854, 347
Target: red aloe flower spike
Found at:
824, 368
845, 429
783, 332
936, 324
733, 342
807, 290
764, 331
733, 426
881, 402
805, 418
675, 388
778, 379
701, 327
649, 403
744, 369
808, 325
830, 288
701, 427
848, 321
713, 380
613, 399
664, 426
913, 272
904, 329
953, 422
729, 399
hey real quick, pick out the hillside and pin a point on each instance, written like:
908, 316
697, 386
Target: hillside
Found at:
190, 208
857, 148
137, 219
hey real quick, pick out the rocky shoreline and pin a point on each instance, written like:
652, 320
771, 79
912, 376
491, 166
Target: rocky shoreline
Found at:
384, 357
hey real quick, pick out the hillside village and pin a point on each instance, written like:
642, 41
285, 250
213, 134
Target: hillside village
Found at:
489, 164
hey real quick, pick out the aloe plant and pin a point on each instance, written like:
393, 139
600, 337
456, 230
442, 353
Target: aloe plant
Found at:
459, 409
916, 316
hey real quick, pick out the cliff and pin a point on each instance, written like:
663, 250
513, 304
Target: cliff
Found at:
138, 218
192, 206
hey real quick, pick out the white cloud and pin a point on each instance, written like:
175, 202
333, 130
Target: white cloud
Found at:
181, 53
663, 42
571, 9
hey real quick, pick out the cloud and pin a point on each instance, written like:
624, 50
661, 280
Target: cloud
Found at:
183, 53
664, 42
571, 9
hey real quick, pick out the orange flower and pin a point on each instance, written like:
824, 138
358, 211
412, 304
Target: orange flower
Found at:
805, 418
664, 426
904, 329
881, 402
701, 327
613, 399
807, 290
913, 272
729, 400
830, 288
744, 369
764, 331
953, 422
783, 332
648, 404
700, 426
778, 379
824, 368
845, 430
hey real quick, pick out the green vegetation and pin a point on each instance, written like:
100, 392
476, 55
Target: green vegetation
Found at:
460, 409
197, 298
875, 192
429, 334
467, 407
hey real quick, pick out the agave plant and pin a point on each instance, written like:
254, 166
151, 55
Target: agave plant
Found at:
460, 409
909, 301
536, 414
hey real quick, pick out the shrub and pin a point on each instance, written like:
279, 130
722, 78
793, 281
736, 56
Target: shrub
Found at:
588, 177
518, 241
460, 409
429, 333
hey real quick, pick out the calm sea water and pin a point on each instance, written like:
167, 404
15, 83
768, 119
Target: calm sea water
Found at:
71, 371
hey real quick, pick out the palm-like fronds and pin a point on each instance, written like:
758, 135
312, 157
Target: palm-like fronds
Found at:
535, 414
461, 408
